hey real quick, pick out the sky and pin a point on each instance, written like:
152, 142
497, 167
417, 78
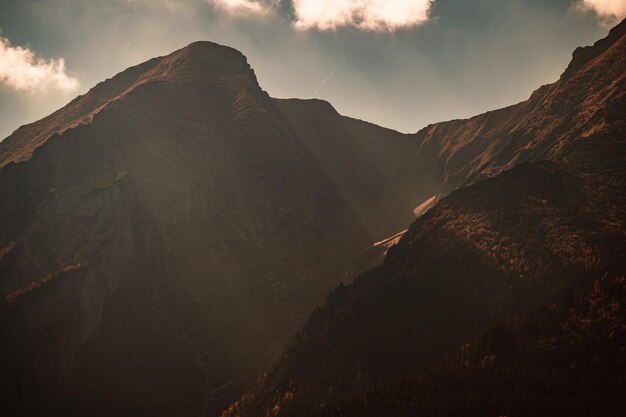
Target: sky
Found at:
402, 64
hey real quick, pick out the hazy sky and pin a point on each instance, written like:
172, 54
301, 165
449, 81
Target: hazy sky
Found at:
399, 63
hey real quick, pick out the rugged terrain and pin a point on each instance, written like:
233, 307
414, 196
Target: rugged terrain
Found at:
164, 235
506, 297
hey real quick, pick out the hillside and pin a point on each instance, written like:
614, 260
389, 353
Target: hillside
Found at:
166, 233
507, 296
554, 123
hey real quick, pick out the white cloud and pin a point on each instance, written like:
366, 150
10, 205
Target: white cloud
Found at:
21, 71
371, 15
244, 6
611, 9
374, 15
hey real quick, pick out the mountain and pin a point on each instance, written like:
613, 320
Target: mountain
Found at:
164, 235
506, 296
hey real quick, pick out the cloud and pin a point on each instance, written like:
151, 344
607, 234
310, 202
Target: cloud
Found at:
372, 15
21, 71
610, 9
255, 7
323, 15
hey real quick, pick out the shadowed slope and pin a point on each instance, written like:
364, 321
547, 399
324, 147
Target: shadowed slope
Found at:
169, 238
506, 297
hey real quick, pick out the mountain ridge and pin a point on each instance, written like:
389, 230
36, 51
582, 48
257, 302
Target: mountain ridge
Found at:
186, 62
483, 145
499, 292
173, 228
178, 220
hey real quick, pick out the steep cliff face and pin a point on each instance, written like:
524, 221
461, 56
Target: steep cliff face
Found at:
162, 236
508, 287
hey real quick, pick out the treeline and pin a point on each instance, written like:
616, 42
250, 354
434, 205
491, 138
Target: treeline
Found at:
568, 361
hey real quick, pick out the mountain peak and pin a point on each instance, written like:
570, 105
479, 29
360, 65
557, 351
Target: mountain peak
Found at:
202, 59
200, 62
584, 54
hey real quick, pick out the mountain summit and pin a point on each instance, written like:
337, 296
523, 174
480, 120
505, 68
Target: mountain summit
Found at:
168, 231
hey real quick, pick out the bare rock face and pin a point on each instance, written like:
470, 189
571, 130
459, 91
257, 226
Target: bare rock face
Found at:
506, 296
162, 236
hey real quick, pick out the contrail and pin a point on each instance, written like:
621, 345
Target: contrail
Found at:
330, 74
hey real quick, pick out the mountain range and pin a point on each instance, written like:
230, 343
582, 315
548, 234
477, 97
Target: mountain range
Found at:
164, 237
504, 298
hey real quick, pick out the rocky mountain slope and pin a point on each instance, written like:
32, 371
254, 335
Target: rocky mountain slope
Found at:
507, 296
164, 235
555, 120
